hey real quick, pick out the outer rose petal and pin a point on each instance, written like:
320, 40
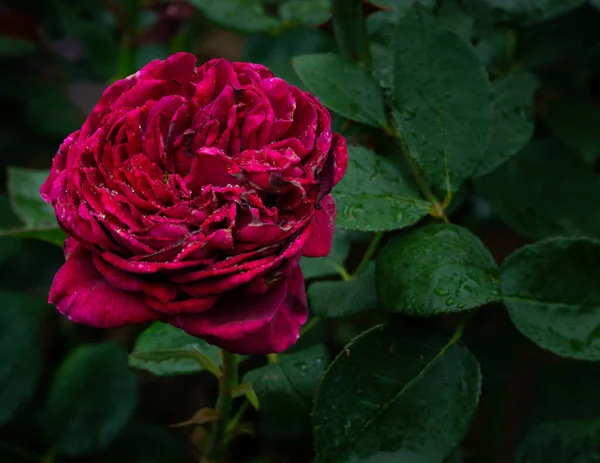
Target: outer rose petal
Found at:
318, 243
253, 324
284, 328
131, 283
235, 314
340, 151
83, 294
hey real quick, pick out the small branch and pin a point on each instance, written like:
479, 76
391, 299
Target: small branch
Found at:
310, 325
343, 272
437, 208
229, 379
234, 422
368, 254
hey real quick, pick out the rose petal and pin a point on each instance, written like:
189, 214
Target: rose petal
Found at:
211, 167
282, 331
85, 296
318, 243
235, 314
340, 152
131, 283
187, 306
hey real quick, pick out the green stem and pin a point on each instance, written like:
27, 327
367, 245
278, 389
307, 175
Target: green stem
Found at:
350, 31
460, 328
437, 209
234, 422
310, 325
343, 272
229, 379
369, 253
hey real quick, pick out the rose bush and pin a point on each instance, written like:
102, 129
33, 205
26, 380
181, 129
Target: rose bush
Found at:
189, 195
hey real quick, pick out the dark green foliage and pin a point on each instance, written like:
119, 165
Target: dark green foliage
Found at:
469, 213
391, 396
436, 269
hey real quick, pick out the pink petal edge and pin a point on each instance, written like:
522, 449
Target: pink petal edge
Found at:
81, 293
318, 243
250, 324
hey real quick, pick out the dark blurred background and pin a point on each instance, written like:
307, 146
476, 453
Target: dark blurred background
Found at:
57, 57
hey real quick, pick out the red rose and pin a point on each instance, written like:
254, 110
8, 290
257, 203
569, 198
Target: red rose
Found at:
189, 195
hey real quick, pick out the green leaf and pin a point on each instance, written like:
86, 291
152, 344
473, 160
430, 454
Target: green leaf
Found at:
566, 441
551, 291
443, 104
395, 397
38, 216
332, 264
15, 47
165, 350
239, 15
400, 8
286, 390
436, 269
595, 3
382, 68
343, 87
91, 399
374, 195
544, 191
246, 390
8, 247
146, 443
484, 18
296, 375
496, 50
532, 11
24, 188
277, 54
8, 218
305, 12
20, 350
513, 118
452, 16
50, 234
575, 123
333, 299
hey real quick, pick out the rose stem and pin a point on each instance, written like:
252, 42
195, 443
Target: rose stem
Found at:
368, 254
227, 382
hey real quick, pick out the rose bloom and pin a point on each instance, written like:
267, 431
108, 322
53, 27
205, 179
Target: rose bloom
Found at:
189, 196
